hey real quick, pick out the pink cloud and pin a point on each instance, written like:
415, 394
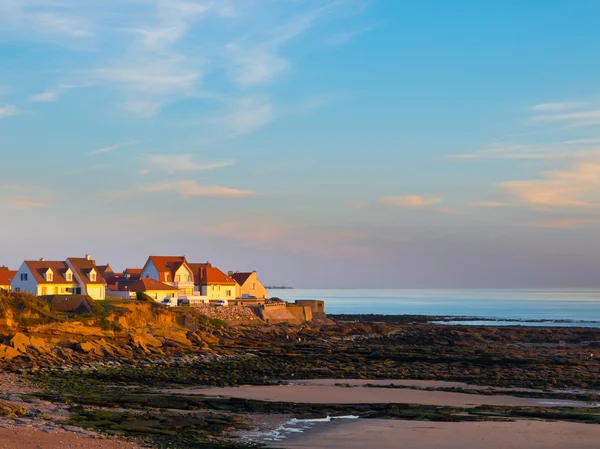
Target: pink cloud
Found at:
412, 201
20, 202
577, 186
191, 188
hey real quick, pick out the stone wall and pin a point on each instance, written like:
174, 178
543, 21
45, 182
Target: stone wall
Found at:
230, 313
278, 314
302, 313
317, 308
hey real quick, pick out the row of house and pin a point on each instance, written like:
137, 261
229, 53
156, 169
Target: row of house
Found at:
161, 277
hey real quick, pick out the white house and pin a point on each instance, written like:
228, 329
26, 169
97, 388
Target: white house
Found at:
75, 276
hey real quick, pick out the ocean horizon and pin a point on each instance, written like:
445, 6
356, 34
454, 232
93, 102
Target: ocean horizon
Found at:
566, 307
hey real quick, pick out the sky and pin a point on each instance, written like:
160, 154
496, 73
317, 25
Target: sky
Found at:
324, 143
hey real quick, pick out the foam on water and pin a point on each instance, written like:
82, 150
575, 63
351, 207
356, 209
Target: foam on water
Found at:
290, 427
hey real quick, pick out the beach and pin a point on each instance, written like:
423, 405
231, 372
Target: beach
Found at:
387, 434
341, 391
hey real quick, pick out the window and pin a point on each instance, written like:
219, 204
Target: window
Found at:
187, 278
253, 286
23, 276
17, 289
93, 276
177, 278
228, 293
69, 276
167, 277
49, 276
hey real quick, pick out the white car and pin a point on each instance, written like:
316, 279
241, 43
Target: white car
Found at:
222, 303
169, 302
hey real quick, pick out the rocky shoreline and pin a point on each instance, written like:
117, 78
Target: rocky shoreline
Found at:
108, 373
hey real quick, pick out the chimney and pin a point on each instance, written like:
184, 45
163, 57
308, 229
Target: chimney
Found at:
230, 273
88, 257
42, 259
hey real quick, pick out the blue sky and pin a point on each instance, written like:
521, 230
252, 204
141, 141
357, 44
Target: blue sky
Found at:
326, 143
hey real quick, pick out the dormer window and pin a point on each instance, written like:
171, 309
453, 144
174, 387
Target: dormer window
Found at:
49, 276
69, 276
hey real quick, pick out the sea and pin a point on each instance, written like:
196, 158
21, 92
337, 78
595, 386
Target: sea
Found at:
568, 307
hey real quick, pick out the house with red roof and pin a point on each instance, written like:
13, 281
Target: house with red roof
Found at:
248, 285
215, 284
170, 270
74, 276
6, 277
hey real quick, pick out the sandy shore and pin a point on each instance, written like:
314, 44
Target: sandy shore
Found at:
331, 394
387, 434
408, 383
31, 438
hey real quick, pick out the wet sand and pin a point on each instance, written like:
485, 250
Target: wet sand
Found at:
29, 438
387, 434
328, 393
409, 383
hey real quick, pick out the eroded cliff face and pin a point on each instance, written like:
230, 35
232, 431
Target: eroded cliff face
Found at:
29, 328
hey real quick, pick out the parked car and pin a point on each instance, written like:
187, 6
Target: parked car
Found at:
222, 303
169, 302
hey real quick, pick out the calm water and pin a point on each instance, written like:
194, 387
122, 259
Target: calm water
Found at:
574, 305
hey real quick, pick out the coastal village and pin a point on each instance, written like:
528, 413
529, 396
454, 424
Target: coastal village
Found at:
169, 280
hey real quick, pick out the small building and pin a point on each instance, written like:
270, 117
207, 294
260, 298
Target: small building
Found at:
248, 285
6, 277
128, 289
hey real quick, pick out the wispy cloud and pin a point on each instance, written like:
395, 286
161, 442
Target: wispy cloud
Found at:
159, 52
325, 242
8, 110
51, 95
576, 186
347, 36
21, 202
244, 116
489, 204
112, 148
533, 151
410, 201
180, 163
191, 189
185, 189
570, 114
552, 107
561, 223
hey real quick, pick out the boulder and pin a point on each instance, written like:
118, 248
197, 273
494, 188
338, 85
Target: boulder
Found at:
20, 342
8, 352
147, 340
86, 347
40, 344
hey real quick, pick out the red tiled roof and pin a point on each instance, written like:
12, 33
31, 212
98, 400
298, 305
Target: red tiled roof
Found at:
39, 267
198, 269
214, 276
6, 276
168, 264
84, 266
143, 285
